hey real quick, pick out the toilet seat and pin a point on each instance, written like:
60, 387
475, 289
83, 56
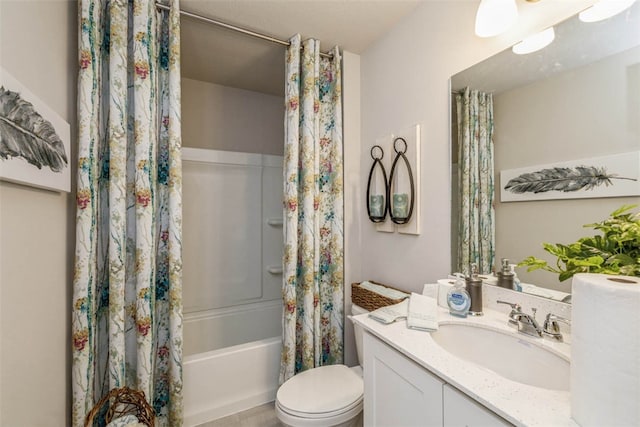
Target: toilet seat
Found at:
322, 415
321, 394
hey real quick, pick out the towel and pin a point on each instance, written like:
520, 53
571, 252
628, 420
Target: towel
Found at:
430, 290
391, 313
383, 290
423, 313
542, 292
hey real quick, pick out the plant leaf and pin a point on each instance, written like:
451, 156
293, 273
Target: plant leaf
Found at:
25, 133
616, 252
620, 260
561, 179
594, 261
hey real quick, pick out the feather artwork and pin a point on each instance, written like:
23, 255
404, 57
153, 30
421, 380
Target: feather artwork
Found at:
26, 134
563, 179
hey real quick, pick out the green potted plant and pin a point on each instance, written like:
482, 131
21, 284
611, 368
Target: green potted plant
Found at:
616, 251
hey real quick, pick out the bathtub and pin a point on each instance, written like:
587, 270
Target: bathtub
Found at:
232, 264
225, 381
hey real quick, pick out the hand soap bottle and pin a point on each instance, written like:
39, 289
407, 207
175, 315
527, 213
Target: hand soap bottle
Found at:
516, 281
458, 298
505, 276
474, 288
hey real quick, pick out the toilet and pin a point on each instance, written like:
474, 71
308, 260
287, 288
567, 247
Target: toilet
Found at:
327, 396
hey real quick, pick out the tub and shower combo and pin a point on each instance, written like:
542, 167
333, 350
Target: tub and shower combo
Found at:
232, 255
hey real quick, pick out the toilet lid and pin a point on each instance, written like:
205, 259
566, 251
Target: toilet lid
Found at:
321, 390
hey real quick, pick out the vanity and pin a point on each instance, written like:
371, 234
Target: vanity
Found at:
446, 378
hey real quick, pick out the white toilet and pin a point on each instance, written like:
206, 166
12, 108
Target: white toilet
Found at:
327, 396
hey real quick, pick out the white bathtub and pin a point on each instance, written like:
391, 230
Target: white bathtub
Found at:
232, 252
229, 380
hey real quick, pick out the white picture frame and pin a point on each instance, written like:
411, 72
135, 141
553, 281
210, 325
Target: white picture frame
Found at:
29, 155
616, 175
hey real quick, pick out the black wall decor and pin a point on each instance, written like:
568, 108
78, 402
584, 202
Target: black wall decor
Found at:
400, 205
377, 204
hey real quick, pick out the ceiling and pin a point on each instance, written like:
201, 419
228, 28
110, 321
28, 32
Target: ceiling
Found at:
576, 44
225, 57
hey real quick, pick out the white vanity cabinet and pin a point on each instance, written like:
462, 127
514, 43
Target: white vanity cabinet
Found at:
400, 393
397, 391
460, 410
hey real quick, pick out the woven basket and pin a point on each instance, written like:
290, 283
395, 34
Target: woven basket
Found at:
123, 401
370, 300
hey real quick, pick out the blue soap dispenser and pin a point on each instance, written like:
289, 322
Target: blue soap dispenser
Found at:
458, 299
516, 281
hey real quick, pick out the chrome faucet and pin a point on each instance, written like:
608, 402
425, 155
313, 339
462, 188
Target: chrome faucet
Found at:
551, 327
525, 323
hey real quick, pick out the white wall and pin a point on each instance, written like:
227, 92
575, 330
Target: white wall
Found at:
38, 47
405, 81
224, 118
353, 197
595, 113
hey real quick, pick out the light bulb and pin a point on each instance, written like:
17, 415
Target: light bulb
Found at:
495, 17
535, 42
604, 9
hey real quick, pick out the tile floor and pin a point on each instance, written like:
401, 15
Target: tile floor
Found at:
260, 416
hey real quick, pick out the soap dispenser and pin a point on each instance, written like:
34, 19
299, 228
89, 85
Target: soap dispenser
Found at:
458, 298
505, 276
516, 281
474, 288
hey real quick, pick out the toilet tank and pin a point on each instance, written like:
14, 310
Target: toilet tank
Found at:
357, 330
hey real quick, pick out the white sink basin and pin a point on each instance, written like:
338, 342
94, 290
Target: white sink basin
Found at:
506, 354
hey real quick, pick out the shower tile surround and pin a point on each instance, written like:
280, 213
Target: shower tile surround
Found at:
517, 403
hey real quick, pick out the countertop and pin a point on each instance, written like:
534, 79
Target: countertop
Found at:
520, 404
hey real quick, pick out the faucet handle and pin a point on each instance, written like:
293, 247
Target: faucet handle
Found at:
551, 327
552, 320
515, 310
514, 306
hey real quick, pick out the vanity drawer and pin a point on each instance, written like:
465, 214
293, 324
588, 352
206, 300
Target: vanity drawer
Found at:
397, 391
460, 410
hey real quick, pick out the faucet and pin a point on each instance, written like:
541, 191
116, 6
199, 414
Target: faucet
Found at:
525, 323
551, 327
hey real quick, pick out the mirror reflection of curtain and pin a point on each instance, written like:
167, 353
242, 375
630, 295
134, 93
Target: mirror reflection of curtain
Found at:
476, 222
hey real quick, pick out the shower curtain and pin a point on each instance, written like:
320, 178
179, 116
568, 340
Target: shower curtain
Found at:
475, 175
313, 205
127, 308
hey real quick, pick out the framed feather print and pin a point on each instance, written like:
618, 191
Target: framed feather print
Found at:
34, 140
616, 175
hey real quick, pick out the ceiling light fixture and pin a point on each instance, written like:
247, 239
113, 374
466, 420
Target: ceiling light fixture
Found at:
604, 9
535, 42
495, 17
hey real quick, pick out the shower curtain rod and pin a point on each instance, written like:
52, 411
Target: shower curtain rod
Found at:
233, 27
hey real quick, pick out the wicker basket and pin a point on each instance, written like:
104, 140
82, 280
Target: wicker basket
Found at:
123, 401
370, 300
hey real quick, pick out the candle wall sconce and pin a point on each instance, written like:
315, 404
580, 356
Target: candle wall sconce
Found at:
400, 190
377, 189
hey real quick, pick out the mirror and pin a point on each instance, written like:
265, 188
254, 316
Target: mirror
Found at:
578, 98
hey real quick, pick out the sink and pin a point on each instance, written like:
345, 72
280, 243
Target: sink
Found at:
506, 354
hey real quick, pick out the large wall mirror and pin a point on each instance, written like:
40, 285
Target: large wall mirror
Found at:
578, 98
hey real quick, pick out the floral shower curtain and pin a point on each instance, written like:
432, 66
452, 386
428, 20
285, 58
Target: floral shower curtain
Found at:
313, 196
127, 307
475, 175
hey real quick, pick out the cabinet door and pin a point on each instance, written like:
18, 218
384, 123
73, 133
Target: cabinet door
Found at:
397, 391
461, 411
